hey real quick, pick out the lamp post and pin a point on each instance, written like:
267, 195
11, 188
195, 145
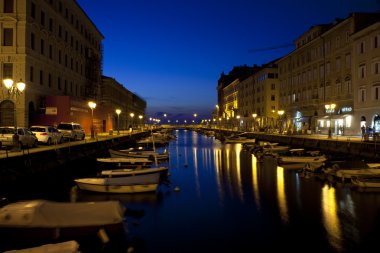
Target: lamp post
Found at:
132, 115
92, 106
14, 90
140, 117
238, 122
280, 113
254, 115
118, 111
330, 109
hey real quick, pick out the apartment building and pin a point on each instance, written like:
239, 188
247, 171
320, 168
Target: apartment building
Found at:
318, 74
52, 47
366, 77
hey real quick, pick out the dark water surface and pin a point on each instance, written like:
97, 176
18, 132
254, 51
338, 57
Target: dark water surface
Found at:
228, 202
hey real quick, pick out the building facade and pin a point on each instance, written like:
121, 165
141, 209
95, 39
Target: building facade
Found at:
318, 74
55, 49
366, 77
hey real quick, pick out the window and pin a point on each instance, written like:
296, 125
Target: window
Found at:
376, 41
361, 47
42, 18
8, 37
32, 43
49, 80
376, 92
348, 60
59, 83
7, 70
31, 72
376, 68
50, 25
33, 10
348, 87
41, 77
273, 86
51, 52
337, 64
42, 46
362, 95
272, 97
361, 71
8, 6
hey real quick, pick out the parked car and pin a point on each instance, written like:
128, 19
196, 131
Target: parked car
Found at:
25, 137
47, 134
71, 131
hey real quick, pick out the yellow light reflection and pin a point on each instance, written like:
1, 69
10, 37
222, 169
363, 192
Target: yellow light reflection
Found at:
281, 194
195, 162
238, 148
330, 216
255, 181
218, 168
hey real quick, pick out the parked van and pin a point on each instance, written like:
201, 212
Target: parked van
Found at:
71, 131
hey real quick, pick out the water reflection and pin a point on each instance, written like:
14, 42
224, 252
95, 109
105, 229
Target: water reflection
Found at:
330, 216
281, 196
255, 182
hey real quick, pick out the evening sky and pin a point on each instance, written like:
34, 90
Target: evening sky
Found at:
172, 52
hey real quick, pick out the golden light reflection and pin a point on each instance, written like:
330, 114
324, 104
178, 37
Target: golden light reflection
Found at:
218, 168
281, 194
255, 181
238, 148
330, 216
195, 162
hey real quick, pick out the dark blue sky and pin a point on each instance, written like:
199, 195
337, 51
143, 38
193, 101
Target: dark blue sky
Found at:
172, 52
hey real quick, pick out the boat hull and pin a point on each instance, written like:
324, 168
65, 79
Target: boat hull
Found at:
117, 188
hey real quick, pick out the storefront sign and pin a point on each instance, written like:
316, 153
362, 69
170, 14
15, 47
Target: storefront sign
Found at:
51, 111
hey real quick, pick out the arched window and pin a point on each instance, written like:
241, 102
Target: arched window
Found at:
7, 116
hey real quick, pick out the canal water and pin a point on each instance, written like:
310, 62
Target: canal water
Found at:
219, 198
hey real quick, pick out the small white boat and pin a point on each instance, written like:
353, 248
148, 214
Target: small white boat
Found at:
122, 184
239, 138
366, 182
348, 174
125, 162
62, 247
151, 155
301, 159
133, 172
49, 220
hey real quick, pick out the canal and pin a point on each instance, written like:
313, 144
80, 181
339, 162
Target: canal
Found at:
220, 199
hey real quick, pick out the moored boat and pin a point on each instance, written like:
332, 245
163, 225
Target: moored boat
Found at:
151, 155
48, 220
123, 184
125, 162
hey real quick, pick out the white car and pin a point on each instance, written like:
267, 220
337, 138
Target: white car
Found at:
25, 138
47, 134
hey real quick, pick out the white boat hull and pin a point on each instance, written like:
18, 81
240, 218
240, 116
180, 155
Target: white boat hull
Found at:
127, 184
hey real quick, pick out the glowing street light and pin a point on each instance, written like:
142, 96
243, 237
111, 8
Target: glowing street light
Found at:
140, 117
330, 109
118, 111
92, 106
14, 90
254, 115
132, 115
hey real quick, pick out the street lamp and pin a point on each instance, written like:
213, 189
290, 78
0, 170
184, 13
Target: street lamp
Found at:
280, 113
238, 122
254, 115
92, 106
132, 115
330, 110
14, 90
118, 111
140, 117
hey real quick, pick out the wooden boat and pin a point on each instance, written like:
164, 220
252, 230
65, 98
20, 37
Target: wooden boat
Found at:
301, 156
133, 172
62, 247
348, 174
366, 182
151, 155
125, 162
122, 184
48, 220
239, 138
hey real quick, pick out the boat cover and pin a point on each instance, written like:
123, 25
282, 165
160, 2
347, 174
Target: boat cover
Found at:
63, 247
50, 214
